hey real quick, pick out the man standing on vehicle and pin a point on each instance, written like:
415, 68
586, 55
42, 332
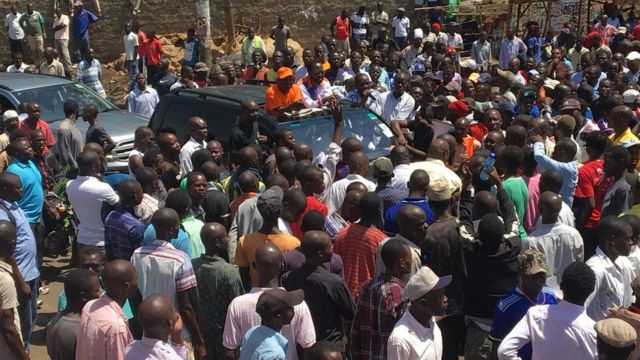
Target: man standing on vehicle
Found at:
246, 132
284, 96
142, 100
81, 21
199, 132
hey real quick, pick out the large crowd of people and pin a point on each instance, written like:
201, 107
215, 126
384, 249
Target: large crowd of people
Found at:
513, 235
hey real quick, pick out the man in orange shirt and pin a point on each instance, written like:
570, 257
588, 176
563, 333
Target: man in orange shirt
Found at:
284, 96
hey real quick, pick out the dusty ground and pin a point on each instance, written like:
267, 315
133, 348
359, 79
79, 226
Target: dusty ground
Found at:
52, 271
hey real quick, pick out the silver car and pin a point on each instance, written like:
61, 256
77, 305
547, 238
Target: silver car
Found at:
52, 91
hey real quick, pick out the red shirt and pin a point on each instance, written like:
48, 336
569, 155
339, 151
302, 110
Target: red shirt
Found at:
601, 190
142, 43
153, 51
478, 131
358, 245
40, 125
588, 176
312, 204
342, 28
636, 32
587, 40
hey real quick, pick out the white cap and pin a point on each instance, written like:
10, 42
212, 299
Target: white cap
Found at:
634, 55
630, 96
469, 64
423, 281
418, 34
622, 30
9, 114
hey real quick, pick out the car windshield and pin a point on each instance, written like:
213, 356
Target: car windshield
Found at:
52, 98
359, 123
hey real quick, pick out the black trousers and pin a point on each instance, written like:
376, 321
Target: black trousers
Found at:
454, 332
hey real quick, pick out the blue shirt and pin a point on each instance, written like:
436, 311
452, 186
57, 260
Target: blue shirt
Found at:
32, 192
390, 222
263, 343
81, 23
511, 308
123, 231
25, 251
568, 170
190, 53
181, 242
534, 45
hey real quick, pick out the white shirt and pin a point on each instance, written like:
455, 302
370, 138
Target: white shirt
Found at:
358, 24
13, 23
410, 340
130, 43
301, 72
142, 102
339, 190
561, 246
154, 349
613, 284
634, 259
562, 331
147, 207
134, 152
401, 26
12, 68
438, 171
391, 108
63, 34
311, 99
180, 85
401, 175
185, 154
86, 194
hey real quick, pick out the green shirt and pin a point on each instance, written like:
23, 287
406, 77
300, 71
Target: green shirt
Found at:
192, 227
218, 283
32, 24
519, 194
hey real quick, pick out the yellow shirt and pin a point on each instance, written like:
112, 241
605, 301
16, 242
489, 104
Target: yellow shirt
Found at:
627, 137
248, 244
635, 210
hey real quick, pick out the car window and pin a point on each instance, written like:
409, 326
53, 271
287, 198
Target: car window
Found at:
52, 98
220, 119
359, 123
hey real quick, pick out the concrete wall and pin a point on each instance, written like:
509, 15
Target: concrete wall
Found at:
308, 19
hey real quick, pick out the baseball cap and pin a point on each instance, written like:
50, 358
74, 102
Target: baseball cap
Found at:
424, 281
459, 107
485, 78
630, 96
9, 114
284, 72
418, 68
401, 9
439, 191
436, 26
634, 55
77, 3
200, 66
469, 64
275, 301
616, 332
383, 165
418, 33
570, 104
270, 201
440, 101
532, 262
622, 30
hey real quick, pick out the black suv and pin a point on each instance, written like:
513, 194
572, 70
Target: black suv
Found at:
219, 106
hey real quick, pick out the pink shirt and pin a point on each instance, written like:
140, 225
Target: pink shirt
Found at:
531, 211
242, 316
103, 333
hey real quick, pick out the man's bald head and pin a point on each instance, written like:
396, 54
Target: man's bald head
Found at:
315, 243
549, 207
156, 315
411, 220
400, 155
7, 239
166, 222
357, 186
119, 279
268, 262
214, 238
247, 157
439, 149
418, 181
350, 209
248, 182
620, 117
484, 203
359, 163
302, 151
130, 192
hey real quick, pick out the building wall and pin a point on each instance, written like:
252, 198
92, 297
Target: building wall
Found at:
308, 19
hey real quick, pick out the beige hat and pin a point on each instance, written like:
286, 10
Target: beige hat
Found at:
9, 114
383, 165
532, 262
438, 190
423, 281
615, 332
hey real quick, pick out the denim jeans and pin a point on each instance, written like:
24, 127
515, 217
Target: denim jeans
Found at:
82, 45
28, 310
401, 41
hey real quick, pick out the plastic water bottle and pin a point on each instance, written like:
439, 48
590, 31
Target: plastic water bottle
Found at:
488, 164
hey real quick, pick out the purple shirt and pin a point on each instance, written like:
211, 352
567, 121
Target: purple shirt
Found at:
295, 258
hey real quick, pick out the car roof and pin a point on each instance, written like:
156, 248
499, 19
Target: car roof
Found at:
231, 92
21, 81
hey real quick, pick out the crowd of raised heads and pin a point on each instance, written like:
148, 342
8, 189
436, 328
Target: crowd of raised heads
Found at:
511, 234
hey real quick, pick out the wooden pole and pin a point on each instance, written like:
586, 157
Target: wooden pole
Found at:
228, 21
547, 23
579, 30
517, 20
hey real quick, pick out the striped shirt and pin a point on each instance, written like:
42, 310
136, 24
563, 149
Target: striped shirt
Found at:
380, 306
163, 269
89, 74
123, 232
357, 245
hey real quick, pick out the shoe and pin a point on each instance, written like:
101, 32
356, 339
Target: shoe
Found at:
39, 302
43, 290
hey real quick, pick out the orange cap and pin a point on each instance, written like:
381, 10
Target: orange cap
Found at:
284, 72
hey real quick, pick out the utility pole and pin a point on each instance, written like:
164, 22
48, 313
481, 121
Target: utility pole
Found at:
204, 30
228, 22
